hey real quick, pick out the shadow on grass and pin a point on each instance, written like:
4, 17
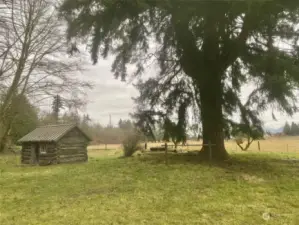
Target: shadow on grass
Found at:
258, 164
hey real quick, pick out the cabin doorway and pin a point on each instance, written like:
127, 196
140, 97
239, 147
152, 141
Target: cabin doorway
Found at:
35, 154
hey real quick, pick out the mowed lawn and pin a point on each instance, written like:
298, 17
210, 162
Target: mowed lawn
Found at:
248, 189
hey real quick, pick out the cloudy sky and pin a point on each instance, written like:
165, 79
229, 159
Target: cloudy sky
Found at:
108, 96
111, 96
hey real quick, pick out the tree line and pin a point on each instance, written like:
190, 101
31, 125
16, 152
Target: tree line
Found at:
291, 130
29, 117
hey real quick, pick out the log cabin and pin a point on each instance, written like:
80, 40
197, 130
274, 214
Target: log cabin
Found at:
54, 144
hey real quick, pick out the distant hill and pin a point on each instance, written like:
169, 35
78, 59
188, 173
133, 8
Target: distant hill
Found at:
274, 130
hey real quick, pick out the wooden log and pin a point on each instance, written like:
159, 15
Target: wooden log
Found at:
26, 150
73, 144
72, 140
47, 159
71, 156
71, 152
48, 154
71, 148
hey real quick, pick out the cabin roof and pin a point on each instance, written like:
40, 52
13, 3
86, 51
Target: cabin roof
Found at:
50, 133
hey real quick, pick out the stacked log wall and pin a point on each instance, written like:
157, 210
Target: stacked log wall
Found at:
73, 147
51, 156
26, 152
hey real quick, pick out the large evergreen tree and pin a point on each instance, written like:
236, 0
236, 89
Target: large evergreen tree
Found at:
206, 51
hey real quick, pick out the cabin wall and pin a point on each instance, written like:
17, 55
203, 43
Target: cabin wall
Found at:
50, 157
26, 153
73, 147
29, 155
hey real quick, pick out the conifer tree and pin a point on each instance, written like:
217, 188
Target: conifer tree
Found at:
287, 129
206, 51
57, 105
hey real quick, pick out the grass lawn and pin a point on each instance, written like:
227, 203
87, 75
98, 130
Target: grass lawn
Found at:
142, 190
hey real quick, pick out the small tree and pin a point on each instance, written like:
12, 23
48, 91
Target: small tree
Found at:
57, 105
173, 132
245, 134
131, 144
287, 129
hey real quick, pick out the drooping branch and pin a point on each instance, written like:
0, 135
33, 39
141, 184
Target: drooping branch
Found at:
248, 143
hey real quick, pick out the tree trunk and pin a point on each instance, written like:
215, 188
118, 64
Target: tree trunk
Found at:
212, 117
205, 68
4, 138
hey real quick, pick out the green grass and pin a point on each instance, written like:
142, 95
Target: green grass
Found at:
142, 190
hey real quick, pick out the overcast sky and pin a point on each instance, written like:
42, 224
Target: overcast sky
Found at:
111, 96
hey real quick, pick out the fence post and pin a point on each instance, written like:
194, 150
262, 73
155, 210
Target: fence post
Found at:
166, 154
210, 151
258, 144
105, 146
287, 147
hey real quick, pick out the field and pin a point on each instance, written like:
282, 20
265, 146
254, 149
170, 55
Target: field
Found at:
251, 188
273, 144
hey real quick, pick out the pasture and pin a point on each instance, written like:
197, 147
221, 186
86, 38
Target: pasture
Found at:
251, 188
273, 144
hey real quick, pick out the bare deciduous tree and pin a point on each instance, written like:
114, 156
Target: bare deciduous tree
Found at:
33, 55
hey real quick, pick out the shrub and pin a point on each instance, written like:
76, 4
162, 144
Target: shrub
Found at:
131, 144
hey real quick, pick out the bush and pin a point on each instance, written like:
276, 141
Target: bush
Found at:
131, 144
